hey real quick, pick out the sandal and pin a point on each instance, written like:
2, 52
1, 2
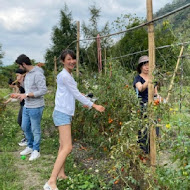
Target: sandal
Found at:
48, 187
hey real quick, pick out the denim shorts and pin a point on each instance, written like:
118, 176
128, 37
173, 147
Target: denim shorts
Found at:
60, 118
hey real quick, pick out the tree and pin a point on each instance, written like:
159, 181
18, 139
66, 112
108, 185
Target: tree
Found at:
89, 50
137, 41
180, 20
7, 72
130, 42
62, 36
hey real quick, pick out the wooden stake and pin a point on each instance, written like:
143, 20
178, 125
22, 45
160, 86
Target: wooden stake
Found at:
110, 68
105, 60
55, 73
174, 74
55, 66
151, 46
99, 52
78, 37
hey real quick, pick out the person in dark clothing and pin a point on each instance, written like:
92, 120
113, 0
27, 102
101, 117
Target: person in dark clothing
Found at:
140, 85
19, 74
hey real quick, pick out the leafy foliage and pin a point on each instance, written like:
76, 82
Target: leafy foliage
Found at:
137, 41
114, 93
115, 130
8, 175
179, 21
62, 36
6, 73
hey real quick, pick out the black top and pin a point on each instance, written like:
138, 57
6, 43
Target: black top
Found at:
22, 91
142, 95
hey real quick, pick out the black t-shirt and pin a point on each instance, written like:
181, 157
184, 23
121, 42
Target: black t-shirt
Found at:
142, 95
22, 91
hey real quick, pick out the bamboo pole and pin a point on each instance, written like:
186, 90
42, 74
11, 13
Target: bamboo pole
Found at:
174, 74
110, 68
105, 60
78, 37
99, 52
55, 72
151, 47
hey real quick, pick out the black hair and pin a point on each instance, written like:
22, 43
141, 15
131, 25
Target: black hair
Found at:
66, 52
20, 71
10, 82
140, 65
23, 59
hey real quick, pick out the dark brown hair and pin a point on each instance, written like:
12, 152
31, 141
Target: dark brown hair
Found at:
66, 52
140, 65
23, 59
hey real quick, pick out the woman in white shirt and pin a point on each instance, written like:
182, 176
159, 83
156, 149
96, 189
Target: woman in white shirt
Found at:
66, 94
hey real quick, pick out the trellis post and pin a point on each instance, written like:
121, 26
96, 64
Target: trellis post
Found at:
174, 74
78, 37
55, 71
99, 54
105, 60
151, 47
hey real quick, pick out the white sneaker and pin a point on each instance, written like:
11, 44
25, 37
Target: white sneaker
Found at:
26, 151
35, 154
23, 142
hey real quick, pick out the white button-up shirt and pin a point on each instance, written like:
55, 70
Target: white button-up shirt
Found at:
67, 92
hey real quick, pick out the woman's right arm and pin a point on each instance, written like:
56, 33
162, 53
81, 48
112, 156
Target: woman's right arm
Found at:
76, 93
81, 98
141, 87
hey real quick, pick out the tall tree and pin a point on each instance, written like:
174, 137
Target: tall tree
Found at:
89, 50
137, 41
129, 42
62, 36
92, 29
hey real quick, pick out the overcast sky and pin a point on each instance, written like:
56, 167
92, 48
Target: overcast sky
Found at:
26, 26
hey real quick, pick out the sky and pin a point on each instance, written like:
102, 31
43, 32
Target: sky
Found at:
26, 26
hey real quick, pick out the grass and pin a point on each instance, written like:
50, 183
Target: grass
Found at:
9, 131
9, 174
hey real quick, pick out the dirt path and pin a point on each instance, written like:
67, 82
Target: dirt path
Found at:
30, 179
33, 174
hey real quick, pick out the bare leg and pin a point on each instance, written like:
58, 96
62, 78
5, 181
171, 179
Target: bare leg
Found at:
64, 150
61, 174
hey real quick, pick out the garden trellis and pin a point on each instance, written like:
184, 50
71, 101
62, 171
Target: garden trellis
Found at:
89, 57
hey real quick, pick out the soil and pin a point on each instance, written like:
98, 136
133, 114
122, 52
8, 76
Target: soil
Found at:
30, 179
